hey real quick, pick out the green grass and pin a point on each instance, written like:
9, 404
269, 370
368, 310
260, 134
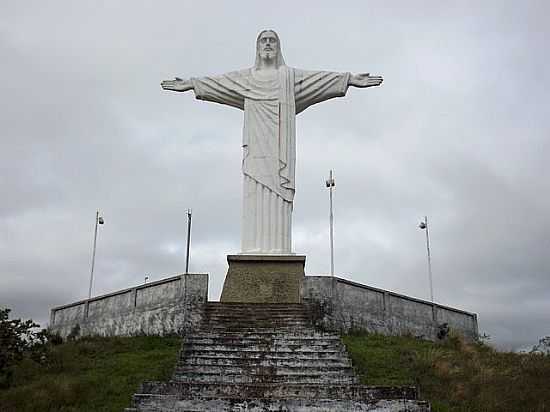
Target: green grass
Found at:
101, 374
91, 374
455, 376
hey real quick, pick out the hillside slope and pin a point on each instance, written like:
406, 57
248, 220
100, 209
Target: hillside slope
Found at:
101, 374
91, 374
455, 376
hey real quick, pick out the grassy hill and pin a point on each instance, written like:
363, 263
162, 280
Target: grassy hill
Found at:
91, 374
455, 375
101, 374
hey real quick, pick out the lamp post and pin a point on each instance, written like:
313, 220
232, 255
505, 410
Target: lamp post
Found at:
330, 185
424, 225
98, 221
188, 240
189, 213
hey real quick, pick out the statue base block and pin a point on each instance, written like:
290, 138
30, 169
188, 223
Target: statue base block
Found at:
264, 279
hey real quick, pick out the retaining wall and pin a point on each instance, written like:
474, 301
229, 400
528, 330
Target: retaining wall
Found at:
159, 308
342, 305
163, 307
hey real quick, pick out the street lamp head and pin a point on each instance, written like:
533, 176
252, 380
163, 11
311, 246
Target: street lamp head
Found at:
100, 220
422, 225
330, 183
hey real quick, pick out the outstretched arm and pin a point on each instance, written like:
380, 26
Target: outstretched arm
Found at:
177, 85
224, 89
364, 80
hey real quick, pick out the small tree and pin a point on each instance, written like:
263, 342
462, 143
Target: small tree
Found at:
17, 337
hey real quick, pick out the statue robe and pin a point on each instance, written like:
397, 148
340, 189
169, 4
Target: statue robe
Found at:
269, 143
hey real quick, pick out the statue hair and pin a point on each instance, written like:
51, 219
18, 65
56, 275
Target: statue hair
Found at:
280, 60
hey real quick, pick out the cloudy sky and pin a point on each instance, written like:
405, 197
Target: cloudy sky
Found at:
459, 131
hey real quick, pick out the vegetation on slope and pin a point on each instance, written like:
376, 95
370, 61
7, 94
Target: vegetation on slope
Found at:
455, 376
40, 373
90, 374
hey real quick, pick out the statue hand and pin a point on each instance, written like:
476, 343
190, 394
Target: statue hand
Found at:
365, 80
177, 85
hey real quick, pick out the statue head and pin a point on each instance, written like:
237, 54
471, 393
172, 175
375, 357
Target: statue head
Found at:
268, 47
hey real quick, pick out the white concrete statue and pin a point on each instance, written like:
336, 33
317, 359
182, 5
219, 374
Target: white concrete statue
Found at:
271, 95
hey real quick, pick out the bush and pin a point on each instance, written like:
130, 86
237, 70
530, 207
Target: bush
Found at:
54, 338
18, 339
74, 333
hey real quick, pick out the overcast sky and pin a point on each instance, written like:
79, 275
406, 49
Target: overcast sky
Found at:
459, 131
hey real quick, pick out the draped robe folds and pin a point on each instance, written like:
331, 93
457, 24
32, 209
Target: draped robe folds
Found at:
269, 143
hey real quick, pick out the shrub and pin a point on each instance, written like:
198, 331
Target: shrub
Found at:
74, 333
17, 338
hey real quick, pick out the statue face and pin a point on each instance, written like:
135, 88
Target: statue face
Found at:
268, 45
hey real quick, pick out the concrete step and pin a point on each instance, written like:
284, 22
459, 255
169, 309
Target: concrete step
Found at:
253, 370
184, 390
253, 317
274, 334
245, 314
327, 378
258, 357
281, 340
256, 311
245, 329
263, 362
255, 306
263, 347
261, 354
161, 403
256, 324
256, 315
255, 339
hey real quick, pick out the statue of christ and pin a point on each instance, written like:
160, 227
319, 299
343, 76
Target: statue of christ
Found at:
271, 95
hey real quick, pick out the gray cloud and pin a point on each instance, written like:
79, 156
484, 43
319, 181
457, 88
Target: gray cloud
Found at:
458, 131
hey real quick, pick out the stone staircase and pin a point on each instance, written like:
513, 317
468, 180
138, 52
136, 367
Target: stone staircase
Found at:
266, 357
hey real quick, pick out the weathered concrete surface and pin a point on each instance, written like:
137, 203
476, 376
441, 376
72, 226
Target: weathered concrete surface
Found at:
163, 307
163, 403
266, 357
276, 390
264, 279
157, 308
346, 306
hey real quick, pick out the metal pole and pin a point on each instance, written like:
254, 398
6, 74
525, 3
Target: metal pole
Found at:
429, 258
331, 234
93, 255
185, 326
330, 184
188, 240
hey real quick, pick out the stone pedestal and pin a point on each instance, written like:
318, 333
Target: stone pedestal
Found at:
264, 279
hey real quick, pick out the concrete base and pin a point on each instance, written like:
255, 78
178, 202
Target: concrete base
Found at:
264, 279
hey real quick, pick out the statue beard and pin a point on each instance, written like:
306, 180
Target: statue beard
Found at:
269, 56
